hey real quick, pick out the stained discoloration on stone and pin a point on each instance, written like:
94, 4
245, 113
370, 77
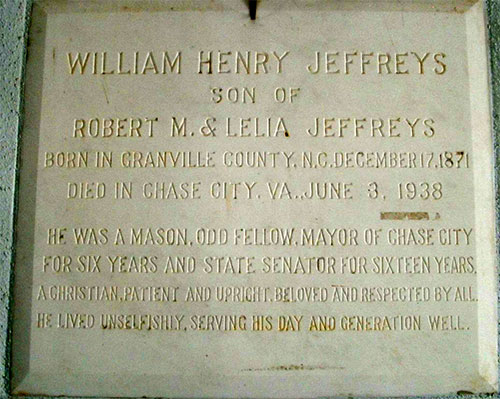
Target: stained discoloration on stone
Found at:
293, 367
404, 216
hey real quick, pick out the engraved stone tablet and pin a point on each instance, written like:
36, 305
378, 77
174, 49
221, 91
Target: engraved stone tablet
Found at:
296, 206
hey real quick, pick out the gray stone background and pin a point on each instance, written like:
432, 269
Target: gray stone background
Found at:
14, 19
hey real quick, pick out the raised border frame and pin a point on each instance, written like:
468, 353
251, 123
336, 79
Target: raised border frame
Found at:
14, 18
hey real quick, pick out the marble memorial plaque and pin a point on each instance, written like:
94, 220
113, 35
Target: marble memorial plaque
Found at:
299, 205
